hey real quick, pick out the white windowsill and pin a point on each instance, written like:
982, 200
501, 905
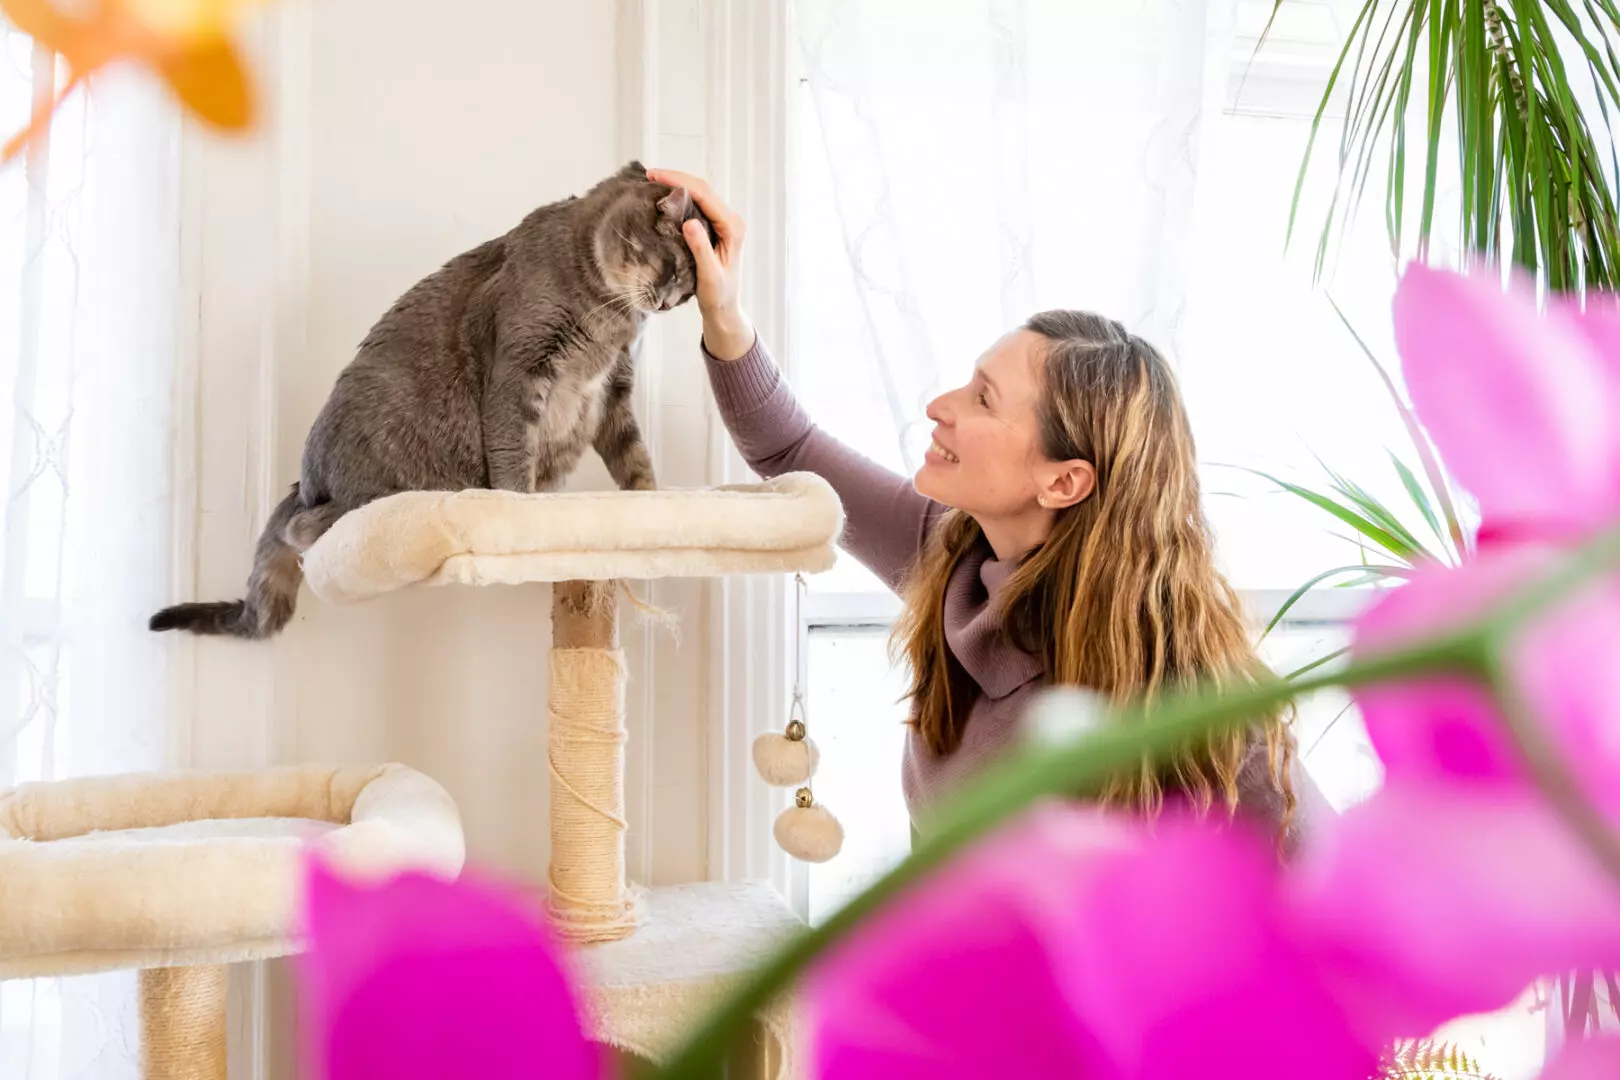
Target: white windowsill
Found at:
874, 608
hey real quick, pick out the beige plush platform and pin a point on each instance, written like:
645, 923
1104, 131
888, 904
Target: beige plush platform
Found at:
154, 870
695, 943
502, 538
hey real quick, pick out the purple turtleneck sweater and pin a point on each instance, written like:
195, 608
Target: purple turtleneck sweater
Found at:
886, 522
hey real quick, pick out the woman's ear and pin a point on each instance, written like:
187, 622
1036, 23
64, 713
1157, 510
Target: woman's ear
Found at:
1070, 483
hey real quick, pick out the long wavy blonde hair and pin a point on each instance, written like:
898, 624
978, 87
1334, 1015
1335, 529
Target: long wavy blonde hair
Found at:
1124, 597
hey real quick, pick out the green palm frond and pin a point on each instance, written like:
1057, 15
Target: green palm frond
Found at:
1534, 186
1426, 1059
1443, 501
1367, 522
1365, 575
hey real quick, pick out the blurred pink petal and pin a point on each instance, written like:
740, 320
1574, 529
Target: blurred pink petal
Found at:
418, 978
1589, 1059
1448, 728
1433, 901
1524, 407
1077, 946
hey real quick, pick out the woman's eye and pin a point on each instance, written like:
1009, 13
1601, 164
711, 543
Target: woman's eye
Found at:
983, 403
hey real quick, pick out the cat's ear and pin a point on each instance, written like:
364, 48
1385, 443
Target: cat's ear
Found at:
633, 171
676, 205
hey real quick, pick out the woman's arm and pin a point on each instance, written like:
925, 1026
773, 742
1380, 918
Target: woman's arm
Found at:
885, 520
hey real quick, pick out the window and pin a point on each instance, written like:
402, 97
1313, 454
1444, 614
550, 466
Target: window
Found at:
955, 167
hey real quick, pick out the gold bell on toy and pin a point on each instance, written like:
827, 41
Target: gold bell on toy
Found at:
808, 831
786, 758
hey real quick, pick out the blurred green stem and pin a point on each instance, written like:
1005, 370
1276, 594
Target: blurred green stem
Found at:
1082, 765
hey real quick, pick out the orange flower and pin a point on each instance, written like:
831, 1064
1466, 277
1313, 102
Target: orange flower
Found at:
184, 41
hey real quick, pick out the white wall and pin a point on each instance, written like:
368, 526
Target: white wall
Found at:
402, 137
429, 134
400, 133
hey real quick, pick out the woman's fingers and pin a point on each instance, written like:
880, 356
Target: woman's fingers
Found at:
727, 224
676, 178
708, 263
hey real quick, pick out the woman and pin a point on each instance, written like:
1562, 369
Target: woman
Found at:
1053, 535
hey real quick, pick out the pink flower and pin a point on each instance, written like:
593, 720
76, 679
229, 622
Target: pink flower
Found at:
1590, 1059
418, 978
1454, 887
1430, 903
1524, 407
1447, 729
1076, 945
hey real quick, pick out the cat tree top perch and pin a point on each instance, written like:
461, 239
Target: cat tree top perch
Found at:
481, 537
659, 956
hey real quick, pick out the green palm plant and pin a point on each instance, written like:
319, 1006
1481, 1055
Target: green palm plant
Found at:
1534, 185
1537, 190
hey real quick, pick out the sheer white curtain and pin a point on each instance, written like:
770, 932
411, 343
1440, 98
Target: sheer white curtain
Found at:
955, 166
89, 263
972, 161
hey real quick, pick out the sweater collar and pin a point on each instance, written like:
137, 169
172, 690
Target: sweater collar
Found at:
973, 625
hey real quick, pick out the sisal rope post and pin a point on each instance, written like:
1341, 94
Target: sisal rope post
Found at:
588, 899
183, 1023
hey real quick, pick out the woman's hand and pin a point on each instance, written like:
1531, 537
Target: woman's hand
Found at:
727, 332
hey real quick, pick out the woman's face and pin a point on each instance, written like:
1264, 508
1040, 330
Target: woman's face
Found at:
986, 456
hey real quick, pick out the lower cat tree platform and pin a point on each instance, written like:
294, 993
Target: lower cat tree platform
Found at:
654, 959
181, 875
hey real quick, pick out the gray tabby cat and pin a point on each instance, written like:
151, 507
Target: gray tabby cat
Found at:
495, 371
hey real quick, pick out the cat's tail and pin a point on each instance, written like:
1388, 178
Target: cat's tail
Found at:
273, 585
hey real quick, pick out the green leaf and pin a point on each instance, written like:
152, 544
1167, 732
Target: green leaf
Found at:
1328, 727
1371, 574
1321, 108
1374, 509
1320, 661
1349, 516
1420, 498
1298, 594
1396, 197
1380, 103
1420, 441
1442, 18
1532, 176
1376, 512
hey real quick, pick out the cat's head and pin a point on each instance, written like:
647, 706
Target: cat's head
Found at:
638, 243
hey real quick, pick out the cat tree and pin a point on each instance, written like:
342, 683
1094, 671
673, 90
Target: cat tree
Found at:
653, 959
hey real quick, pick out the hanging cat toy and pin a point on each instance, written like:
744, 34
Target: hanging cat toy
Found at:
806, 830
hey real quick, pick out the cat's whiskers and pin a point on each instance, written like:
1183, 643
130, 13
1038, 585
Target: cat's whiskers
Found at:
619, 298
622, 302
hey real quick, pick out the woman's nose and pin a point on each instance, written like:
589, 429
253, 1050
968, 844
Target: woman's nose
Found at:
937, 410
